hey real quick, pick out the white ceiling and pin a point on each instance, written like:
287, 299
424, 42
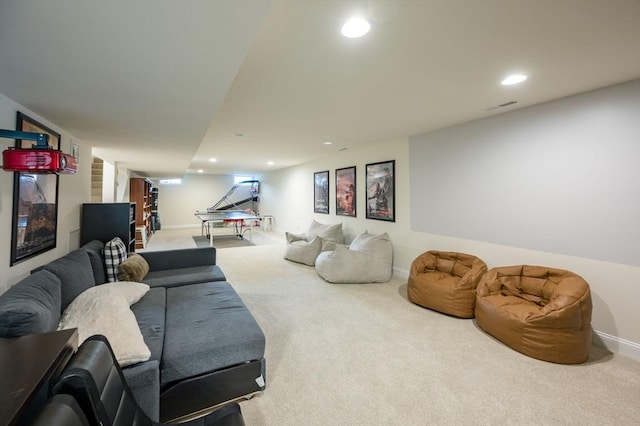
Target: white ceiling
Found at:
163, 86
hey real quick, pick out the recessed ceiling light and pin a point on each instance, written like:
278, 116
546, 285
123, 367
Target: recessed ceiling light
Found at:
356, 27
271, 163
327, 143
200, 171
514, 79
213, 160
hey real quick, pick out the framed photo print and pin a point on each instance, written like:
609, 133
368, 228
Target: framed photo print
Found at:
35, 201
380, 183
321, 192
346, 191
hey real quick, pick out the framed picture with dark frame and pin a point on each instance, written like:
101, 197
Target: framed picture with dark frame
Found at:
321, 192
35, 201
381, 197
346, 191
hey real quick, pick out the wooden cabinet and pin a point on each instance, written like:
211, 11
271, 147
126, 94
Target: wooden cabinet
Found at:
104, 221
140, 193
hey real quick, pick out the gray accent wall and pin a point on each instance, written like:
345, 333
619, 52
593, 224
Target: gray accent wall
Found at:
560, 177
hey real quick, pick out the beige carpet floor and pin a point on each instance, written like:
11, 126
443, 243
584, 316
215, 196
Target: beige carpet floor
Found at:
361, 354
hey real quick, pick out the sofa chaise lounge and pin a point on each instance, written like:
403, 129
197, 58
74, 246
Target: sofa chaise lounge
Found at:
206, 347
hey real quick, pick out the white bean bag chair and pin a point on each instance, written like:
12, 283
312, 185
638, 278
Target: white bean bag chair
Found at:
304, 248
302, 251
368, 259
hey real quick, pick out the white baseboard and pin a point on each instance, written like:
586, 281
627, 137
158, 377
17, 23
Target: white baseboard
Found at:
180, 226
402, 273
612, 343
617, 345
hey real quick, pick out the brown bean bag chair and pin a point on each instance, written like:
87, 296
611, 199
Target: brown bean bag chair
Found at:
544, 313
445, 282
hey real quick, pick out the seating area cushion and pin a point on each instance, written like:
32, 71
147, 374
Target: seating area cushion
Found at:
328, 233
115, 252
135, 268
94, 249
105, 310
368, 259
31, 306
446, 282
184, 276
150, 315
75, 274
199, 338
542, 312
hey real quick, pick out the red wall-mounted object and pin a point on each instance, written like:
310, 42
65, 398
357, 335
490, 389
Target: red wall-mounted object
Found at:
38, 161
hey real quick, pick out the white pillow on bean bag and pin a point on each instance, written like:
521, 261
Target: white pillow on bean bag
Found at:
326, 232
369, 259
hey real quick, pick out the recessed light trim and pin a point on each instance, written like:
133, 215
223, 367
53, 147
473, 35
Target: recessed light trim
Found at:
200, 171
355, 27
513, 79
327, 143
271, 163
213, 160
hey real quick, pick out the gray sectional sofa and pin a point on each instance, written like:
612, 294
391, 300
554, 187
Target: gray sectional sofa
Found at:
206, 347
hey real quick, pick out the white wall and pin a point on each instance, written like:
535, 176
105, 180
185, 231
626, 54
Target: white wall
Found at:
178, 203
108, 182
561, 177
288, 196
73, 191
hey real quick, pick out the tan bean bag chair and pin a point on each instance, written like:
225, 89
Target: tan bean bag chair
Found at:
446, 282
544, 313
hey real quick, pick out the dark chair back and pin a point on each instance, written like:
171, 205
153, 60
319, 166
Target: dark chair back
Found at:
94, 378
61, 410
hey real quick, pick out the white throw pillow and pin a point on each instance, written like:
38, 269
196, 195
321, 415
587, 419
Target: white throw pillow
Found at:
105, 310
132, 291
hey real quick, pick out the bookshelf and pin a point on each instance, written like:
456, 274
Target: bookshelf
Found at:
104, 221
140, 193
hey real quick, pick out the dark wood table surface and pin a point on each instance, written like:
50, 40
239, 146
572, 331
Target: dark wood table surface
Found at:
26, 363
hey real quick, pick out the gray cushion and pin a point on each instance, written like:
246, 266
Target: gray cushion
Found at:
326, 232
31, 306
180, 258
94, 250
74, 272
208, 328
183, 276
150, 315
302, 251
144, 381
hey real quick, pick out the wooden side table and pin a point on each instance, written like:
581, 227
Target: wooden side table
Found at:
26, 364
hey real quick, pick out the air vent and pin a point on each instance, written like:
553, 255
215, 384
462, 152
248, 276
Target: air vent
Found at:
506, 104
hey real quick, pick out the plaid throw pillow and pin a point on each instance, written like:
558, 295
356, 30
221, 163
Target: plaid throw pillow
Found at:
115, 252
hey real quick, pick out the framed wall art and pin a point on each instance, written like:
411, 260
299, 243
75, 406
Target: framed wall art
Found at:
380, 183
321, 192
35, 201
346, 191
75, 151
